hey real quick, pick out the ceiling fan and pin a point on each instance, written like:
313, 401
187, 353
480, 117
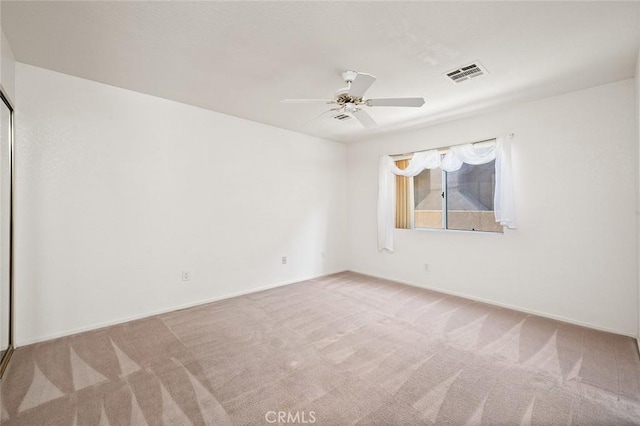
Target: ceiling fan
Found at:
350, 101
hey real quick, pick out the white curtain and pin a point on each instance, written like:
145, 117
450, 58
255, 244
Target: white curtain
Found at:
456, 155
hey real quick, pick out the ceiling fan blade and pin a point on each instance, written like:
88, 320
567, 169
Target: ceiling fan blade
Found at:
360, 84
396, 102
333, 110
364, 118
307, 101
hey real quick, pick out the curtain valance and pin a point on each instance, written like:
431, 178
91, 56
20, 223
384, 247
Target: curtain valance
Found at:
500, 151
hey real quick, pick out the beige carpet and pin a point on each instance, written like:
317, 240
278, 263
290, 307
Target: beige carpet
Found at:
345, 349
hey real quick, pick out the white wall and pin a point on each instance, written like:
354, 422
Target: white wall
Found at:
7, 64
574, 256
7, 67
119, 191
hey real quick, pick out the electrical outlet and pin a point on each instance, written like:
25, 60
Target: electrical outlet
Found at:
323, 255
284, 260
186, 275
426, 267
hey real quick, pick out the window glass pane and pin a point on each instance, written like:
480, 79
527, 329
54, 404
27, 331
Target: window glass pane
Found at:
470, 193
427, 197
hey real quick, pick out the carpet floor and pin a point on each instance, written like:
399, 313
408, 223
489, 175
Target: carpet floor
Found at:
343, 349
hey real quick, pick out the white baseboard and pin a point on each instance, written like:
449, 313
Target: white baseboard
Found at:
507, 305
170, 309
284, 283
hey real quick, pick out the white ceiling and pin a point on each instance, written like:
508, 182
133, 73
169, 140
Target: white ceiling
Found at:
242, 58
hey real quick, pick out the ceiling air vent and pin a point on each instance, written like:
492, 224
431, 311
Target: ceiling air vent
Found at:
342, 117
466, 72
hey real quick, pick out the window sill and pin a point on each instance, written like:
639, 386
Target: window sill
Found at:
464, 231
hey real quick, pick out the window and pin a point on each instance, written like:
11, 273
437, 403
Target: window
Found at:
459, 200
465, 193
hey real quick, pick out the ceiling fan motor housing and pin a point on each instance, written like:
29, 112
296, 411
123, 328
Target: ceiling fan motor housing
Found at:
343, 98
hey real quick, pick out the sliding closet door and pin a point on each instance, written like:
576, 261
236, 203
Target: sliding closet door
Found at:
6, 172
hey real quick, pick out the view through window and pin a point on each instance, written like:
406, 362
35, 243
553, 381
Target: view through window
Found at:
460, 200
